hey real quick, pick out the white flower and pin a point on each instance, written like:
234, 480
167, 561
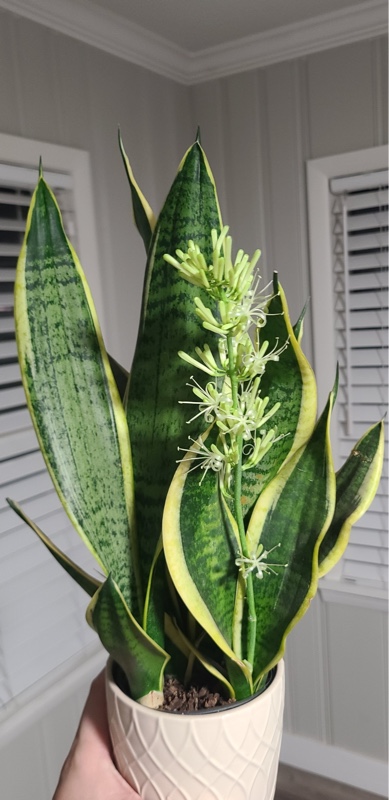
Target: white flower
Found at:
206, 458
210, 402
257, 562
255, 360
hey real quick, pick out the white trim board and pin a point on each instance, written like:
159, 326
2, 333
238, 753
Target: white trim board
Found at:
116, 35
335, 763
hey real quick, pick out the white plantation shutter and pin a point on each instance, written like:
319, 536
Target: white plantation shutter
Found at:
359, 207
42, 610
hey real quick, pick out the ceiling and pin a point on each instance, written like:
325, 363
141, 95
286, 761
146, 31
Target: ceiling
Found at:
191, 41
197, 25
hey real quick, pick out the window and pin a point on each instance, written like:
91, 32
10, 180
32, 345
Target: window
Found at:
348, 207
42, 625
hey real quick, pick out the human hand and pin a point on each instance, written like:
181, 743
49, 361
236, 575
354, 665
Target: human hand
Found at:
89, 772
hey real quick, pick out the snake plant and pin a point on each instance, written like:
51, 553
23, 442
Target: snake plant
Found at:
202, 482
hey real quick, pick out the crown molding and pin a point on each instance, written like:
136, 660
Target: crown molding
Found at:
105, 30
114, 34
292, 41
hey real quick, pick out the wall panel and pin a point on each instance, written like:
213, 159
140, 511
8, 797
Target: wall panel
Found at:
305, 670
244, 181
36, 85
357, 680
10, 105
341, 91
286, 156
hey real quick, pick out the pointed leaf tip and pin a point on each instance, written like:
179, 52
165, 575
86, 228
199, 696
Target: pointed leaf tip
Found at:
198, 136
299, 326
144, 217
40, 168
336, 382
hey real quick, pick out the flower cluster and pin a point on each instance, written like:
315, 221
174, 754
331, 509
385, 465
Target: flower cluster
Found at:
222, 279
232, 400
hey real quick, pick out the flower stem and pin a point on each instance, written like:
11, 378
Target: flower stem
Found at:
252, 616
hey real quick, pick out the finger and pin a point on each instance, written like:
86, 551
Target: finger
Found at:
94, 724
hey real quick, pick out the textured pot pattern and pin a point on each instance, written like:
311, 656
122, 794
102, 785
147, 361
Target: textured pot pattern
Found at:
231, 754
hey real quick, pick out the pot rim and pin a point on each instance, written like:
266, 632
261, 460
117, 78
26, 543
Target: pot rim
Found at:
237, 707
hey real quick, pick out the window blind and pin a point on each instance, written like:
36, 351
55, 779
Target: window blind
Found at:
360, 295
42, 611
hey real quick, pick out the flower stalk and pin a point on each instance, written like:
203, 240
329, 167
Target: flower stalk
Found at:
237, 409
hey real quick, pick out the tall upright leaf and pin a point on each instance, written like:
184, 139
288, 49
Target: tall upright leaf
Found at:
72, 395
292, 515
157, 421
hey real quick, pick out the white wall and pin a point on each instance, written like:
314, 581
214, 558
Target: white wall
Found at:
258, 129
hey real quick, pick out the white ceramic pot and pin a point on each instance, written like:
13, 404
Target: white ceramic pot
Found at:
228, 754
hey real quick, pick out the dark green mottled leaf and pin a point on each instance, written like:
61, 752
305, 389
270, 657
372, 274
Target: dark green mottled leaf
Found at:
71, 392
157, 422
294, 512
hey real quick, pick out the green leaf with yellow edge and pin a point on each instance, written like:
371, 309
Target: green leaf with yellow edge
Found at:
86, 581
356, 484
291, 382
144, 217
72, 395
156, 420
292, 516
298, 328
141, 659
200, 553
